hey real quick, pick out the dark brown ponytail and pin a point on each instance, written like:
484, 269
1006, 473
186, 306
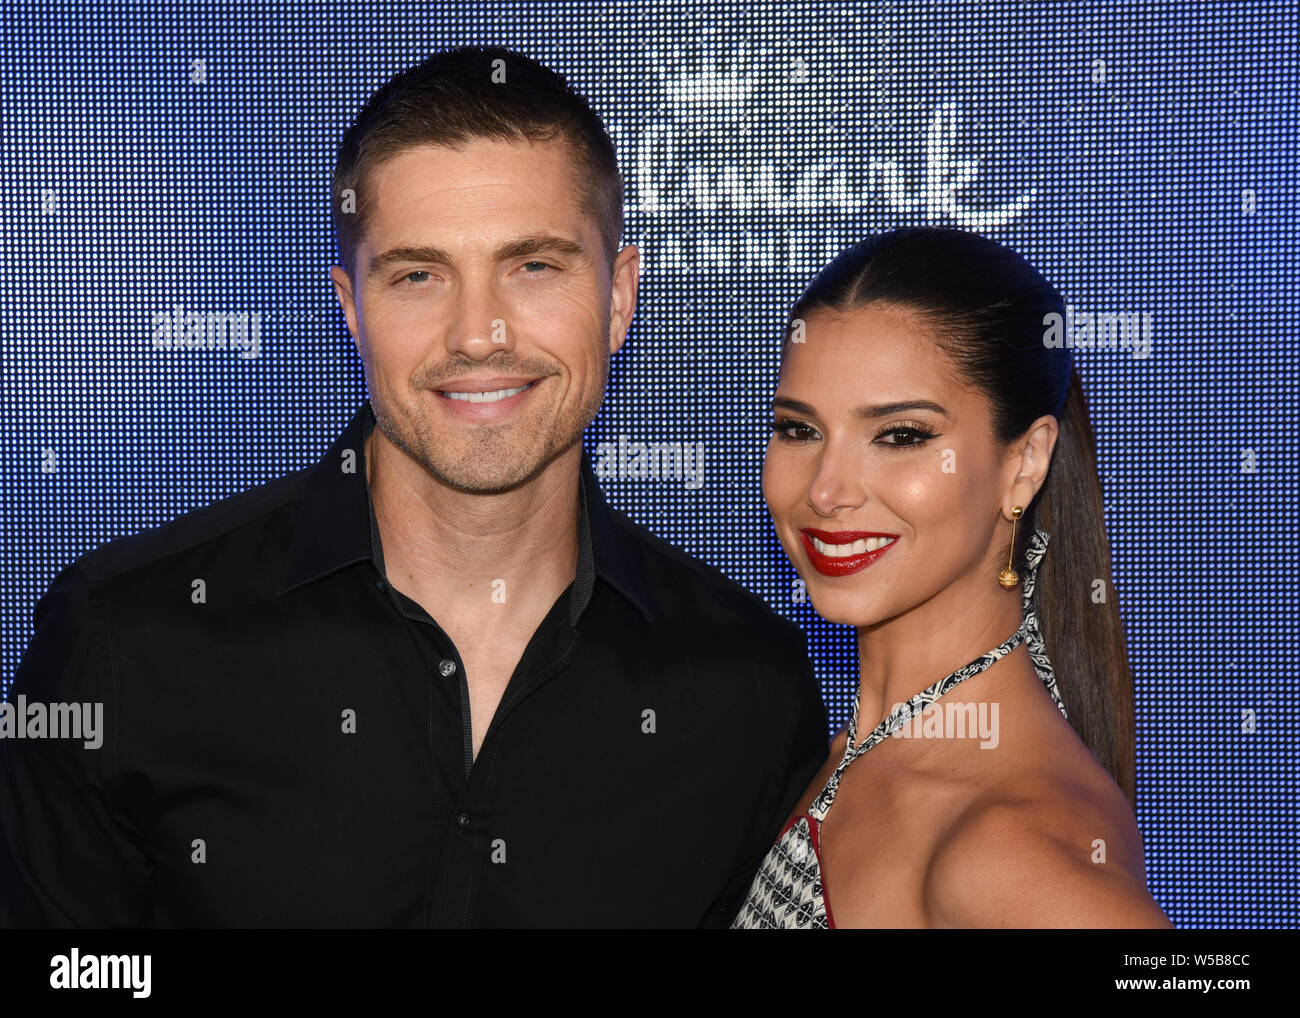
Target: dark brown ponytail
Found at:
989, 311
1075, 600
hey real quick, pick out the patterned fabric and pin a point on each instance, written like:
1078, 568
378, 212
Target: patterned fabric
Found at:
787, 891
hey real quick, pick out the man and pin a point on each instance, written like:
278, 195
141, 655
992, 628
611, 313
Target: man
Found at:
433, 680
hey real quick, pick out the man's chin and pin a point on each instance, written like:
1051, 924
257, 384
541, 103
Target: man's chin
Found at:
487, 459
482, 483
488, 473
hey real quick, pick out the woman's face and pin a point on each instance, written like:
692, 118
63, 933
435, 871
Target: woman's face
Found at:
882, 475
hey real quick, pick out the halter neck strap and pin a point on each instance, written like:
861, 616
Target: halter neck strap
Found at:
1034, 553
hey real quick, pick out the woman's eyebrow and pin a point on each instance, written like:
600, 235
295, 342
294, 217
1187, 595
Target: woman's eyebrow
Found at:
869, 412
889, 409
785, 403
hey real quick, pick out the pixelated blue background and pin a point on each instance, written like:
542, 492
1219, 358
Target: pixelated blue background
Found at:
1140, 155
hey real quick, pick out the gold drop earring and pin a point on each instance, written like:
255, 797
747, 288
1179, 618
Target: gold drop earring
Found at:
1009, 577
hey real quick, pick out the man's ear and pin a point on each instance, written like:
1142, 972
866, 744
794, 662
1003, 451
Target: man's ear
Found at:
1027, 463
347, 301
622, 301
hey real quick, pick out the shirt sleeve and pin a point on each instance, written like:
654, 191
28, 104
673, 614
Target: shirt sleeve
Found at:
67, 857
807, 742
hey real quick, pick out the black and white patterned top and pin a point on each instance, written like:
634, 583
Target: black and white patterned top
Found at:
787, 891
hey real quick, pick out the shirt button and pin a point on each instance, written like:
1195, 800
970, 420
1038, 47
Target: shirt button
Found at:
462, 820
447, 667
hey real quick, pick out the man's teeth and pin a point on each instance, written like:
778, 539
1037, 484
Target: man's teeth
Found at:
858, 547
486, 397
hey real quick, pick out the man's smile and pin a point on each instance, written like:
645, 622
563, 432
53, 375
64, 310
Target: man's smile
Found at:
485, 399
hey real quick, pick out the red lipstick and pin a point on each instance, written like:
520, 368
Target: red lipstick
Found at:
830, 565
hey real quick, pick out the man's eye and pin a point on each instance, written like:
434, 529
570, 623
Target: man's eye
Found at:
410, 277
539, 264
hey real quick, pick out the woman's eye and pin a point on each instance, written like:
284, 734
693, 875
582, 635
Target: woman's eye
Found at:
792, 431
905, 436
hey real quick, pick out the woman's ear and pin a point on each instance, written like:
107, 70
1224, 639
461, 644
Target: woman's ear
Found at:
1027, 461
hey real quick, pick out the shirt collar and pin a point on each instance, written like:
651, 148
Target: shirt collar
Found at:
336, 525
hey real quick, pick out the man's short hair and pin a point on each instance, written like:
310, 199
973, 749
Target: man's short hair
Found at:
457, 96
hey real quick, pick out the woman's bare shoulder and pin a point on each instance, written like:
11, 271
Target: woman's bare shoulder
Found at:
1042, 852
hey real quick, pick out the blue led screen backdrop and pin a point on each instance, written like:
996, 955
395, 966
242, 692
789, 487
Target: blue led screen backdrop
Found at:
163, 161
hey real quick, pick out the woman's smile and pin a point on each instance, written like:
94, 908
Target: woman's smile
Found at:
842, 552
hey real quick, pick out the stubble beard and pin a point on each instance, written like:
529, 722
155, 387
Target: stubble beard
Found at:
487, 459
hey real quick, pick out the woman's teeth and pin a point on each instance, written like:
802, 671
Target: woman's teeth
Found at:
486, 397
859, 547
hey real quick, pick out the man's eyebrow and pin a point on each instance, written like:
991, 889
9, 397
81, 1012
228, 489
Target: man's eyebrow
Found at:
534, 244
538, 243
869, 412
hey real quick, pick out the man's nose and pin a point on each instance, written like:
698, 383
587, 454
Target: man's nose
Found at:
478, 327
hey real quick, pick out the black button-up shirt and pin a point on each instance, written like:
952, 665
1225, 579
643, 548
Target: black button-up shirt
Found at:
286, 741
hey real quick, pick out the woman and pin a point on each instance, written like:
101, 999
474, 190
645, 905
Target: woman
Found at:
927, 445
